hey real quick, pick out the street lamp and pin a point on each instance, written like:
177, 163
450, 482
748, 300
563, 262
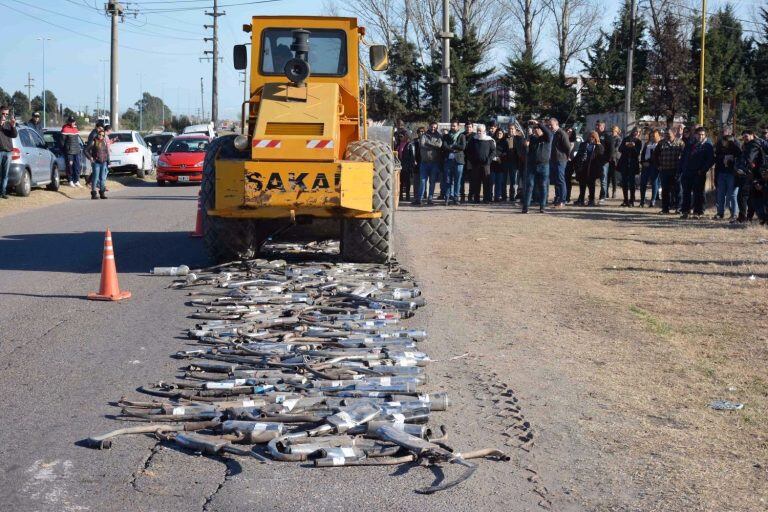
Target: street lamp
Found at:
44, 39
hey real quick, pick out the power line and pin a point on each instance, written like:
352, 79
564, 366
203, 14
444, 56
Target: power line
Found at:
143, 33
81, 34
181, 9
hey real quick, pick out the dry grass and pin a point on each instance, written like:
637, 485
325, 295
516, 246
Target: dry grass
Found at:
649, 318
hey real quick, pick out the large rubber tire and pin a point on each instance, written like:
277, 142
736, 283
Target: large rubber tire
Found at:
25, 184
55, 183
372, 240
140, 172
227, 239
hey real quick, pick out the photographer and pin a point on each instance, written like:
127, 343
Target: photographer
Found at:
537, 173
8, 132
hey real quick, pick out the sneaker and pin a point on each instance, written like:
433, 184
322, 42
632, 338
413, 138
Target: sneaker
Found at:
684, 216
416, 203
718, 217
72, 184
430, 202
542, 210
601, 202
524, 210
78, 185
664, 212
4, 196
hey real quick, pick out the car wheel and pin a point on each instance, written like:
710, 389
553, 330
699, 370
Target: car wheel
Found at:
161, 183
55, 179
140, 173
25, 185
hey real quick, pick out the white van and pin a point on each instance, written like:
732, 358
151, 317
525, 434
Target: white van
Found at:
206, 129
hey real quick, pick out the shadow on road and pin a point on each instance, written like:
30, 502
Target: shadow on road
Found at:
135, 251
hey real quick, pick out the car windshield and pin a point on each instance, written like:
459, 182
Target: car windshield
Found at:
327, 51
156, 142
187, 146
121, 137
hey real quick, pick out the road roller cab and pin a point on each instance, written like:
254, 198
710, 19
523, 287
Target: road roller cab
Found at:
303, 157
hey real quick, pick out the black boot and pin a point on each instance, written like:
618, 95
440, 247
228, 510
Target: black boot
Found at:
102, 195
93, 194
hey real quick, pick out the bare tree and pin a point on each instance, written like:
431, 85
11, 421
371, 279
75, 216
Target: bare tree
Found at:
528, 15
575, 24
380, 17
329, 8
488, 20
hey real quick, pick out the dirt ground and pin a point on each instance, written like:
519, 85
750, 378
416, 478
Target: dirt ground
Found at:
615, 329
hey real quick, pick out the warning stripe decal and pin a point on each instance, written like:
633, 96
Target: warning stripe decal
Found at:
266, 143
319, 144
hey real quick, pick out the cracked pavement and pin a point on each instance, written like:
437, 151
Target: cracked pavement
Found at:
67, 358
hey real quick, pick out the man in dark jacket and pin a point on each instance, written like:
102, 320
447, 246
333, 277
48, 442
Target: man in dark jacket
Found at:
517, 163
749, 176
561, 152
700, 159
455, 142
666, 158
469, 134
629, 165
537, 174
606, 140
431, 159
36, 124
71, 142
8, 132
480, 151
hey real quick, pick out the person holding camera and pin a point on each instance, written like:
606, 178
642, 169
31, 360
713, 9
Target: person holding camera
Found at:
537, 174
8, 132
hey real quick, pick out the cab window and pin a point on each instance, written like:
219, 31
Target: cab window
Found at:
327, 51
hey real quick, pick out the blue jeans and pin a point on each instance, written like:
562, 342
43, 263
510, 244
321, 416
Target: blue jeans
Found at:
5, 170
499, 181
727, 193
427, 171
99, 176
538, 177
73, 166
557, 173
650, 175
604, 182
454, 172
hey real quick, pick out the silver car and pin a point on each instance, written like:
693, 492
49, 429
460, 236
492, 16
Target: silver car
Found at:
32, 164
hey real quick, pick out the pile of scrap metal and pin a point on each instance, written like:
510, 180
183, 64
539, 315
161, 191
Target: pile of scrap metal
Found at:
302, 362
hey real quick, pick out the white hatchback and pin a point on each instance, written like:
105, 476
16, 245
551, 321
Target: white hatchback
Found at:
129, 152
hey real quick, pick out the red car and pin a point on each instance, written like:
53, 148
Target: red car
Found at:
182, 159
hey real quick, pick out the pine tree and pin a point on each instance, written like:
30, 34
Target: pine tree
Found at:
671, 72
383, 104
468, 97
758, 67
606, 66
406, 75
537, 90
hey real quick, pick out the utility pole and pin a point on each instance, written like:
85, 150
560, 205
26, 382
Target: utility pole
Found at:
244, 81
701, 64
141, 105
214, 56
445, 75
104, 83
202, 100
44, 39
630, 65
115, 9
30, 84
162, 103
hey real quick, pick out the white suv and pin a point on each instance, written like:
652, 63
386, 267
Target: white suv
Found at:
129, 152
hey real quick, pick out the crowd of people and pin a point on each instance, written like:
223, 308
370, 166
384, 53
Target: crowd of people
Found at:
668, 166
96, 151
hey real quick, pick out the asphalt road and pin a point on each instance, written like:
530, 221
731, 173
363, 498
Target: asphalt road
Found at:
63, 360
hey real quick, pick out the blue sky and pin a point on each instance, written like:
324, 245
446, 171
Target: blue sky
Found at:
164, 48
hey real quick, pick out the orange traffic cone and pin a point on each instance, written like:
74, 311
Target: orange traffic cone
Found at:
198, 232
109, 289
